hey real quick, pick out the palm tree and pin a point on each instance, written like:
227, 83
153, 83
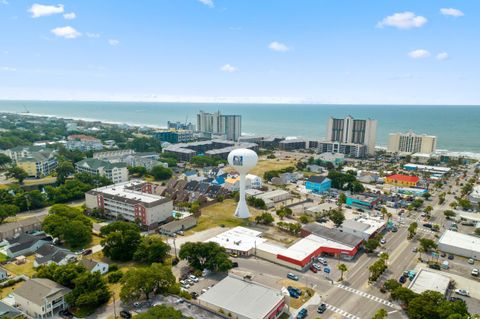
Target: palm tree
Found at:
343, 268
384, 212
420, 251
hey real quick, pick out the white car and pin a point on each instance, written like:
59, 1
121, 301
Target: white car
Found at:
471, 261
193, 278
462, 292
475, 272
383, 241
322, 261
316, 266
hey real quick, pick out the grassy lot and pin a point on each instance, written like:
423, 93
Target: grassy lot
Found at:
307, 293
41, 181
3, 257
23, 269
8, 290
270, 164
95, 240
221, 214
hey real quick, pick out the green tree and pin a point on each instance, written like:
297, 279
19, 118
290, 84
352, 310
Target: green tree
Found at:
391, 284
264, 218
404, 295
371, 244
65, 275
161, 312
432, 304
90, 291
427, 244
143, 282
426, 195
337, 217
412, 230
8, 210
16, 172
380, 314
383, 211
4, 160
207, 255
449, 214
69, 224
151, 249
138, 171
342, 198
343, 268
161, 173
64, 170
121, 240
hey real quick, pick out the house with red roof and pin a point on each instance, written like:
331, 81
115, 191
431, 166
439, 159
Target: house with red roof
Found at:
402, 180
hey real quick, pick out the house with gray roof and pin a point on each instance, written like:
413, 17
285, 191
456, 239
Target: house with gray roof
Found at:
93, 265
48, 254
13, 229
25, 244
7, 311
41, 298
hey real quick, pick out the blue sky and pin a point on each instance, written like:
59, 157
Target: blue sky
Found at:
316, 51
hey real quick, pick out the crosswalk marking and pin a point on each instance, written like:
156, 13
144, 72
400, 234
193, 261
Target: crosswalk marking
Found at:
367, 295
341, 312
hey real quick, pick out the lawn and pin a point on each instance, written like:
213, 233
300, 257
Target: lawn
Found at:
23, 269
41, 181
269, 165
95, 240
8, 290
3, 257
221, 214
307, 293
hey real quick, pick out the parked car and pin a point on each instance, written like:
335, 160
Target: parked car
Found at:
125, 314
462, 292
450, 257
194, 295
303, 313
383, 241
471, 261
65, 314
415, 249
322, 308
326, 270
313, 269
428, 225
296, 290
457, 299
322, 261
317, 266
443, 254
402, 279
87, 252
193, 278
292, 276
475, 272
435, 266
234, 264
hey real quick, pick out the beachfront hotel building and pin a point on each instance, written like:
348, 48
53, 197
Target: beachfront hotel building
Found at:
219, 125
133, 201
411, 143
350, 136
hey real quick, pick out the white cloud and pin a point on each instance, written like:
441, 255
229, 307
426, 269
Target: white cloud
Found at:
66, 32
419, 54
113, 42
208, 3
8, 69
92, 35
278, 46
229, 68
40, 10
69, 16
442, 56
451, 12
403, 20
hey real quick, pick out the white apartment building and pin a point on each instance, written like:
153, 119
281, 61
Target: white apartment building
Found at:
411, 143
229, 126
116, 172
133, 201
350, 131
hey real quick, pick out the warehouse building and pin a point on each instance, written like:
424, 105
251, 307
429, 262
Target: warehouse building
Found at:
363, 227
132, 201
429, 280
273, 197
460, 244
244, 299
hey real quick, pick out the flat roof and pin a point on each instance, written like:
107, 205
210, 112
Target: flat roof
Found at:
121, 191
333, 235
305, 247
269, 195
429, 280
245, 298
238, 238
429, 167
457, 239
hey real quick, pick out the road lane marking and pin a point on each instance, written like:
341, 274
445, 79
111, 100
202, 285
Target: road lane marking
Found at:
368, 296
341, 312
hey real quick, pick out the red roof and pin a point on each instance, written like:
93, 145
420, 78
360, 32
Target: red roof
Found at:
404, 178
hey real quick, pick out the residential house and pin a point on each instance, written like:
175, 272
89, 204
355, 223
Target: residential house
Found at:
315, 168
93, 265
253, 181
13, 229
318, 184
116, 172
48, 254
25, 244
3, 276
232, 184
41, 298
9, 312
336, 159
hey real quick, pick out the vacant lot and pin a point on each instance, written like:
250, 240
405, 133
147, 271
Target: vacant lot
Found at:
4, 292
271, 164
23, 269
221, 214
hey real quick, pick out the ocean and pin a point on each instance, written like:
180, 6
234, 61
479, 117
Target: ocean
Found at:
457, 127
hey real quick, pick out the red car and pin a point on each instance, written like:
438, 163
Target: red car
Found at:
313, 269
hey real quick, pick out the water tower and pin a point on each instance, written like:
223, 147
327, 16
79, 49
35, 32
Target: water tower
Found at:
243, 160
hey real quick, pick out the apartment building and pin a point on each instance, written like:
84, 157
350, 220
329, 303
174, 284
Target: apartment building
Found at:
37, 161
116, 172
352, 133
411, 143
174, 136
229, 126
83, 143
133, 201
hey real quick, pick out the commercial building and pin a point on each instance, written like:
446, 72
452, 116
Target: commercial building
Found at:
244, 299
174, 136
272, 197
349, 132
132, 201
410, 191
116, 172
213, 148
363, 227
349, 149
460, 244
318, 184
402, 180
293, 144
428, 280
427, 168
411, 143
363, 201
41, 298
230, 126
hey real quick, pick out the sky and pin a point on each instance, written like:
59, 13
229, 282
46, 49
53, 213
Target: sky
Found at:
272, 51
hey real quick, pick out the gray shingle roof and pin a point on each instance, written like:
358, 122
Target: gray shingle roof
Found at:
37, 289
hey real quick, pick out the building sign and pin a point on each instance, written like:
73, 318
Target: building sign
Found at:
238, 160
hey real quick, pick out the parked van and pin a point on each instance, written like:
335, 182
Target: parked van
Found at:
445, 265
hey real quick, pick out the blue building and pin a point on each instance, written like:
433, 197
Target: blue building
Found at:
363, 201
318, 184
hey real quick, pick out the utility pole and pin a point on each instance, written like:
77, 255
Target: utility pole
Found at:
114, 307
175, 247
